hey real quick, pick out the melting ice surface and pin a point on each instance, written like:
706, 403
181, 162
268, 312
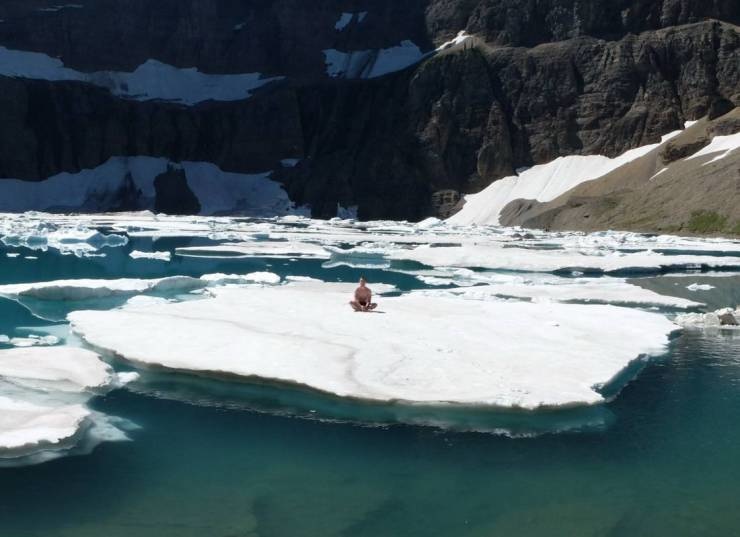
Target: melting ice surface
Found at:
501, 346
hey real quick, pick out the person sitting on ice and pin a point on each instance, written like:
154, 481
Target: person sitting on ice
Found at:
363, 297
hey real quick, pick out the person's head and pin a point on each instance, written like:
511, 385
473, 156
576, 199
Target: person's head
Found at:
363, 281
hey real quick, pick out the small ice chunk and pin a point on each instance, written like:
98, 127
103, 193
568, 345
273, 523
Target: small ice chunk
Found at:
253, 277
126, 377
725, 318
24, 424
699, 287
34, 340
277, 249
159, 256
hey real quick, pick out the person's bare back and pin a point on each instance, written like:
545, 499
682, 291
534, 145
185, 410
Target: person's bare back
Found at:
363, 298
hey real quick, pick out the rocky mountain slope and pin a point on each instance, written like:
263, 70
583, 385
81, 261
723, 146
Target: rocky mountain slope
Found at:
348, 102
688, 185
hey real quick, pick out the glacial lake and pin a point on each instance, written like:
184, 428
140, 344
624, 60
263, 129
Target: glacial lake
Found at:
224, 457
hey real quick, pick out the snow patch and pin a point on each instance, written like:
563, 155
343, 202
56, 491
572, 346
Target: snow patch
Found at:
724, 145
94, 190
153, 80
344, 20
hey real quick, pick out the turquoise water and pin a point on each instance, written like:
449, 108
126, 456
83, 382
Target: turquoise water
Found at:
216, 458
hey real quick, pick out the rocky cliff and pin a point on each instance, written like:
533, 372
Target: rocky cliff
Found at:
353, 92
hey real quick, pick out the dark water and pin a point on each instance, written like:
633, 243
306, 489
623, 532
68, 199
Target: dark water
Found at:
663, 458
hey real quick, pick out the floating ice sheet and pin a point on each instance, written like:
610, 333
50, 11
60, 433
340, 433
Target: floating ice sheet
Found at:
415, 348
600, 290
86, 289
277, 249
496, 257
43, 392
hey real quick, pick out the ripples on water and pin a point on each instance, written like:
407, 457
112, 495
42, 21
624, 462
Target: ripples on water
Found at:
227, 459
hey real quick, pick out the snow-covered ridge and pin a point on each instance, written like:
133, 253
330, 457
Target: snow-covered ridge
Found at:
90, 190
153, 80
412, 352
543, 183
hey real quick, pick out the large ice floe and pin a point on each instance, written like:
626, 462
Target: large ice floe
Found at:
153, 80
591, 290
43, 411
418, 349
498, 257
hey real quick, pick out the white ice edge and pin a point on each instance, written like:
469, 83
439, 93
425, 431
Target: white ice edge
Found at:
85, 289
43, 392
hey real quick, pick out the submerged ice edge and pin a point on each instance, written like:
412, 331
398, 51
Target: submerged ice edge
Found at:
44, 395
300, 402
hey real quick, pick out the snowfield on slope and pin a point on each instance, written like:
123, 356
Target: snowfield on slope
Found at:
543, 182
415, 349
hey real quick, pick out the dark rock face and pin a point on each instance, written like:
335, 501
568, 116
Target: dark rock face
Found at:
542, 78
173, 194
127, 197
